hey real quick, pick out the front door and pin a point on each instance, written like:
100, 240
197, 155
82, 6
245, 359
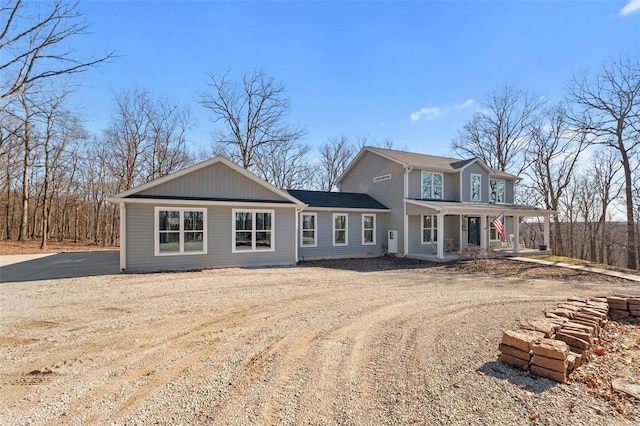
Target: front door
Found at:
474, 231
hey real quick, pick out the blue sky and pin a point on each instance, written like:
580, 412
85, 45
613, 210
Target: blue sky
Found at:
410, 71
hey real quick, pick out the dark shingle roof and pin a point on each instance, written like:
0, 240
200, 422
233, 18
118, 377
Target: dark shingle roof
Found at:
344, 200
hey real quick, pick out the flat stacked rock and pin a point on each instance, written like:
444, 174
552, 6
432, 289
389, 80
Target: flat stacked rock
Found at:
554, 346
624, 307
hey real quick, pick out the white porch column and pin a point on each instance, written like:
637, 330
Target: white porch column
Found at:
484, 230
460, 226
516, 234
440, 254
547, 225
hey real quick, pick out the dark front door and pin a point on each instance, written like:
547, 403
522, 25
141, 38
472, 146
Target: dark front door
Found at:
474, 231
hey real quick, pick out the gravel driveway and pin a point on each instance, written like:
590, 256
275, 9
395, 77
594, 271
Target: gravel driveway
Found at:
306, 345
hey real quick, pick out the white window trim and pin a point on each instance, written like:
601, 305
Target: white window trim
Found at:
504, 190
315, 230
433, 228
253, 231
346, 229
156, 228
479, 189
375, 226
422, 184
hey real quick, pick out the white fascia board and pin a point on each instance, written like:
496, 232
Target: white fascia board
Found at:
177, 202
342, 209
359, 156
489, 209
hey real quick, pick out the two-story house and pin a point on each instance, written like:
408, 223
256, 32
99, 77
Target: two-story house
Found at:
216, 214
440, 204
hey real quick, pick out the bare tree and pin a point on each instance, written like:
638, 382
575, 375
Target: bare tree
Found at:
335, 156
607, 105
286, 165
554, 152
252, 112
33, 42
499, 131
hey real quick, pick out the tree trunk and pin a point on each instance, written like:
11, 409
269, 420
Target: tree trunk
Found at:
628, 191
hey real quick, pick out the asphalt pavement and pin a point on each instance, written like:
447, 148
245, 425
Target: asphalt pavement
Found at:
61, 265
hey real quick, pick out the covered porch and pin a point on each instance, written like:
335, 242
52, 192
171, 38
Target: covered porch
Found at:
444, 230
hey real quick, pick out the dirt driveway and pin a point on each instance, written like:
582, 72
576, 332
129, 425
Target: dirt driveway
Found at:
306, 345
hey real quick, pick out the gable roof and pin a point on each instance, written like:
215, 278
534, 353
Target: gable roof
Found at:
338, 200
424, 161
131, 193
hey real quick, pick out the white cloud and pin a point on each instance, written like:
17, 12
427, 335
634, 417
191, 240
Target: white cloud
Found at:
631, 7
465, 104
427, 113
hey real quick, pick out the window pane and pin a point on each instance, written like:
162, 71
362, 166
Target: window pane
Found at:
426, 221
169, 242
194, 221
308, 238
475, 188
426, 185
263, 240
368, 222
308, 221
435, 221
193, 241
243, 240
435, 235
340, 222
243, 221
426, 235
340, 237
368, 236
169, 220
263, 221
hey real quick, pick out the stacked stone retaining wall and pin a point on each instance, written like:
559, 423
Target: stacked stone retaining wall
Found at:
566, 337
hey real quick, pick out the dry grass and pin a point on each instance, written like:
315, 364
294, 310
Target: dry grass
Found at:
33, 247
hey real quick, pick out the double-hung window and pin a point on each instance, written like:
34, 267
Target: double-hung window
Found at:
432, 185
308, 237
429, 229
180, 231
340, 228
475, 187
493, 232
497, 191
368, 229
252, 230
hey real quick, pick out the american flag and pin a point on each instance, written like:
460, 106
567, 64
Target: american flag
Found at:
498, 223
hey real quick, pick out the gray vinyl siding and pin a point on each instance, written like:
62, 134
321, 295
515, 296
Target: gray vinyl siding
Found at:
214, 181
141, 233
389, 192
450, 182
509, 191
451, 231
484, 183
324, 239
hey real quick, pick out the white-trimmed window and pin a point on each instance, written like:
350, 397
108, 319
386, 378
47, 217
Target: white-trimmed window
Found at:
180, 231
308, 230
252, 230
475, 187
368, 229
497, 191
340, 229
429, 229
432, 185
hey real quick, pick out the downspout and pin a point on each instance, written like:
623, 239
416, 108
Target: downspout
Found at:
405, 244
123, 236
297, 234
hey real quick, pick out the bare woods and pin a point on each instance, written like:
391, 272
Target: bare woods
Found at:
579, 157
